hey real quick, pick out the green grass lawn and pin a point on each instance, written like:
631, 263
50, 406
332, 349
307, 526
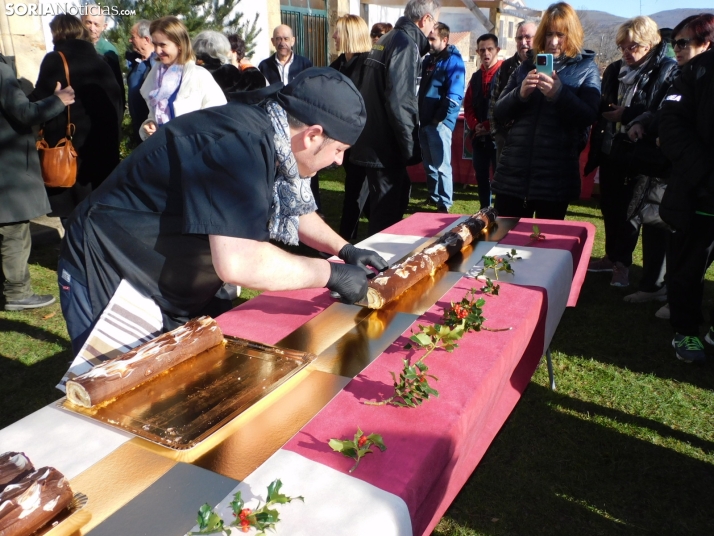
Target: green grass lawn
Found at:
624, 446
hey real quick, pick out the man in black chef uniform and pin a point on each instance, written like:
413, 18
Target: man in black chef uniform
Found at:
197, 203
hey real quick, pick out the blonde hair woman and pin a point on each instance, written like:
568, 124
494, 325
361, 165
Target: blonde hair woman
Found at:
631, 87
353, 42
175, 85
538, 172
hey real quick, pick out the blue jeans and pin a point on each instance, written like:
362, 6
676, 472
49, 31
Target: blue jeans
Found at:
435, 141
76, 306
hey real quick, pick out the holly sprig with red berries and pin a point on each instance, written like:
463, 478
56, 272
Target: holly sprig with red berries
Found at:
358, 447
263, 518
499, 263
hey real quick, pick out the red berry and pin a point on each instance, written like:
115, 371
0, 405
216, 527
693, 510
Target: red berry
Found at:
362, 441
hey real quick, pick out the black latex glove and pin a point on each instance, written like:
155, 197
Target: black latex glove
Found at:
349, 281
363, 258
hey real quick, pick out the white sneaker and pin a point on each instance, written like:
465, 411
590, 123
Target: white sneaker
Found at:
642, 297
663, 312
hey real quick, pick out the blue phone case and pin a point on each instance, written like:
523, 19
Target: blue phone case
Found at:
548, 67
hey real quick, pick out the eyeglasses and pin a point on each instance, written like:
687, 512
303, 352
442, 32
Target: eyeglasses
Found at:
631, 48
524, 37
282, 39
681, 43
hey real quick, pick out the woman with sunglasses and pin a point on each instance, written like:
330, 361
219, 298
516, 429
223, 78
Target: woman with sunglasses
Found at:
630, 87
687, 138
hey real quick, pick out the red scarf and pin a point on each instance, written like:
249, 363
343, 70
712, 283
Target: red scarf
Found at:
487, 76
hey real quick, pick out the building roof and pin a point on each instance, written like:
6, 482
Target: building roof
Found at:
455, 37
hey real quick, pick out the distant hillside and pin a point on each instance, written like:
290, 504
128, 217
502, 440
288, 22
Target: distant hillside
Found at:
672, 17
664, 19
600, 18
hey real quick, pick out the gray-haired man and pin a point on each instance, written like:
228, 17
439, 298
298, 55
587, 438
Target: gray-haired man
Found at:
139, 62
389, 140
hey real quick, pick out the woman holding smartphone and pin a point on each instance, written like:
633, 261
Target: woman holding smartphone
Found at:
539, 172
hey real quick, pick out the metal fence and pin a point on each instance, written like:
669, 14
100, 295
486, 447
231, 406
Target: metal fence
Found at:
311, 31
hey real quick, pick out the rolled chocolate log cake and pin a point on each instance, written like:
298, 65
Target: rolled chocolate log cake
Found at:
125, 372
33, 501
388, 285
13, 467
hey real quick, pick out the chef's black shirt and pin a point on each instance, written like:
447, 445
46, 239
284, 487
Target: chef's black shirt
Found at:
209, 172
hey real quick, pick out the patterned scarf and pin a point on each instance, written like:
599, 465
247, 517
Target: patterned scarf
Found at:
292, 196
168, 80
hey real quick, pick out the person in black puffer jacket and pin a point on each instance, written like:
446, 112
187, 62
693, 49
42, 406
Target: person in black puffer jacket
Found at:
389, 86
687, 137
539, 170
632, 90
352, 39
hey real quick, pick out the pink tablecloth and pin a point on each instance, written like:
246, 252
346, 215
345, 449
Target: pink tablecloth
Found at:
432, 449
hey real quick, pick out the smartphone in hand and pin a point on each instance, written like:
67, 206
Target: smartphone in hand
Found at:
544, 64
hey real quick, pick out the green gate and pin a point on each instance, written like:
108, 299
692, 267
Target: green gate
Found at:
310, 26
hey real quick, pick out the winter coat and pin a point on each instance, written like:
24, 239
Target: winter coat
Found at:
23, 192
198, 90
96, 113
225, 74
686, 135
271, 73
352, 68
540, 157
389, 88
656, 76
498, 84
441, 92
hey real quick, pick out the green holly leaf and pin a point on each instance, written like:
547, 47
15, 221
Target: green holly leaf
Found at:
237, 503
208, 520
536, 230
377, 440
422, 339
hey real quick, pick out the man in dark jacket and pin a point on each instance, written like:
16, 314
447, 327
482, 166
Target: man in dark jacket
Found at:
96, 22
389, 87
23, 192
525, 32
476, 105
195, 205
687, 136
284, 65
139, 62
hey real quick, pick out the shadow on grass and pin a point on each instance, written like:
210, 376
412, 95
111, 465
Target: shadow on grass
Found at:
552, 473
600, 328
45, 255
24, 388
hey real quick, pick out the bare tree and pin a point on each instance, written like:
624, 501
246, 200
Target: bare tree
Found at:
600, 38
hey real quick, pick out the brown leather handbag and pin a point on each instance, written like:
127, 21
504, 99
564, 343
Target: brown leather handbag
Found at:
59, 163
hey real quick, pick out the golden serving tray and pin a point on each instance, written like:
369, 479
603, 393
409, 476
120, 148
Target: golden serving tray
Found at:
182, 407
69, 520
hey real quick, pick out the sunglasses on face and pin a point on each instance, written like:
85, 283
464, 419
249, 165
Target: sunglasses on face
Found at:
631, 48
681, 43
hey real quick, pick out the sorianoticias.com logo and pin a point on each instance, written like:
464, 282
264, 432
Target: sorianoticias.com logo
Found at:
65, 9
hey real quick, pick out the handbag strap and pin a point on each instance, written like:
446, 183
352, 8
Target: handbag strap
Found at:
66, 74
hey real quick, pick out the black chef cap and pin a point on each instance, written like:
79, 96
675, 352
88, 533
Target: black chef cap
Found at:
324, 96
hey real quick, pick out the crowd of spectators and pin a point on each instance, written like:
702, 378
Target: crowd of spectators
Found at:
648, 119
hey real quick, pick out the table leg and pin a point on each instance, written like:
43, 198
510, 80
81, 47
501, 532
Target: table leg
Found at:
549, 362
